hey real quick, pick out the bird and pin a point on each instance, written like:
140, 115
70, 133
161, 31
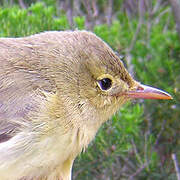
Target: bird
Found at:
56, 90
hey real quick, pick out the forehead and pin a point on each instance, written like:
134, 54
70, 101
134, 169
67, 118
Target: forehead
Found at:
97, 51
101, 59
83, 48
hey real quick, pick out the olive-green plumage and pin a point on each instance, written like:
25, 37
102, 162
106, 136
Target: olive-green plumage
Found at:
56, 89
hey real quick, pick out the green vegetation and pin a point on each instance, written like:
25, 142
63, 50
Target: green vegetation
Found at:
140, 136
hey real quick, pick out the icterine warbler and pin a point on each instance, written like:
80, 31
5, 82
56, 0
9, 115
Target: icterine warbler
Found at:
56, 90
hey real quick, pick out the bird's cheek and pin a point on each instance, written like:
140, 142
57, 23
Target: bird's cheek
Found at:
118, 91
103, 101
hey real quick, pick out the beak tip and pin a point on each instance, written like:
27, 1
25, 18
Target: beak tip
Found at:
147, 92
170, 97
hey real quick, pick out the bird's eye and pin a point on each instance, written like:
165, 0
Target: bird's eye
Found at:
105, 83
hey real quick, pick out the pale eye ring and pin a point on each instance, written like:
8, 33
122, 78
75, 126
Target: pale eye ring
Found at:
105, 83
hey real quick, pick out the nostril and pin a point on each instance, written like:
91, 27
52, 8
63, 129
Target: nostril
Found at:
140, 88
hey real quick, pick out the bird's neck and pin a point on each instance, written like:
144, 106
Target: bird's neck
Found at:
77, 119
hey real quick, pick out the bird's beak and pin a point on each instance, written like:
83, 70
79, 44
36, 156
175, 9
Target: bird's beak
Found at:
147, 92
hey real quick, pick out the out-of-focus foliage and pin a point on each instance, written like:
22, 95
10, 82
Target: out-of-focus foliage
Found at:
37, 18
139, 140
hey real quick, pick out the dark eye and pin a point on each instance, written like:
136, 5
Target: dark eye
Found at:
105, 83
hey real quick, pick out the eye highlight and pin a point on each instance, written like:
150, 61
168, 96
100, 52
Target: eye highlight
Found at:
105, 83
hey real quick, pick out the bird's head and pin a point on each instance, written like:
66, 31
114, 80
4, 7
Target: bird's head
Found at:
102, 80
95, 77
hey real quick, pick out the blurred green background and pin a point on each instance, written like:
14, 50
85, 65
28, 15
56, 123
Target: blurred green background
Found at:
139, 141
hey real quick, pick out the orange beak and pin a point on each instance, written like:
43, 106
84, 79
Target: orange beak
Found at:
147, 92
